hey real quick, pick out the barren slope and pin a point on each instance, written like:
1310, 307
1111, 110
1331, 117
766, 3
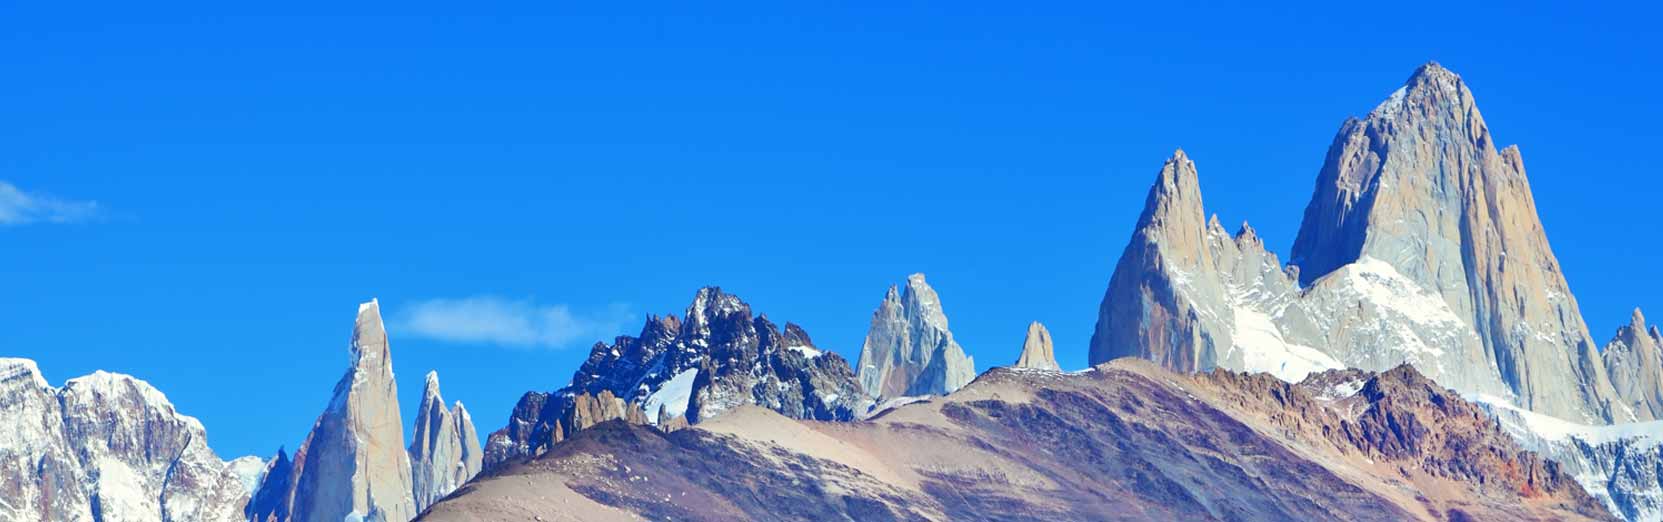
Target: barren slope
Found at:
1125, 441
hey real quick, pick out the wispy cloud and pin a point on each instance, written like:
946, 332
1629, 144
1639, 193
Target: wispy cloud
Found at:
506, 322
21, 208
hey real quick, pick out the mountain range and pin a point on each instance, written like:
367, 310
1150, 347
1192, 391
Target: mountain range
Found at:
1419, 357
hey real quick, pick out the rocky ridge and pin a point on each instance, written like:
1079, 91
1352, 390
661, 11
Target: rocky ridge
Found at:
909, 350
1124, 441
106, 447
717, 357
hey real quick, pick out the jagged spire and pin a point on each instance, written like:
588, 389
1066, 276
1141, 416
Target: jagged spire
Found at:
909, 349
1037, 351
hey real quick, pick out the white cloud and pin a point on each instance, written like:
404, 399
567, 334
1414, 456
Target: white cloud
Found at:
506, 322
21, 208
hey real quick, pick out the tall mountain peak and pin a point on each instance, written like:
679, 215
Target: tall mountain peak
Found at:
444, 451
353, 463
909, 349
106, 446
1633, 360
1419, 186
369, 340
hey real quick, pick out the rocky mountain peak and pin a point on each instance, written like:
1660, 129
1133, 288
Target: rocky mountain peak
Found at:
909, 349
719, 357
106, 446
1633, 360
1037, 351
354, 462
444, 450
369, 340
15, 372
709, 304
1419, 186
1174, 201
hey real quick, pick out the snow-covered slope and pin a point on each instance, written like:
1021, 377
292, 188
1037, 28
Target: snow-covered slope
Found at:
106, 447
1620, 464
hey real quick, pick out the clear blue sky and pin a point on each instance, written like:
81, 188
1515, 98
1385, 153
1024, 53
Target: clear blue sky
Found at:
212, 192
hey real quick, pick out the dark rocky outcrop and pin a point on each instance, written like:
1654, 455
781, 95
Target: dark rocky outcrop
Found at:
718, 356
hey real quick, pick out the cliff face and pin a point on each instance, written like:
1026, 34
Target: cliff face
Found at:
444, 451
1421, 245
106, 447
1419, 186
353, 465
909, 350
1634, 361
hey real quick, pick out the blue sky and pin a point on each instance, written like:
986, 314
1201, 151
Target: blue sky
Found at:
200, 197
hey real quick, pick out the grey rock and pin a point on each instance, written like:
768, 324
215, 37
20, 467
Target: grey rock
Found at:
909, 349
1419, 186
105, 447
1037, 351
353, 465
1398, 240
444, 451
1635, 365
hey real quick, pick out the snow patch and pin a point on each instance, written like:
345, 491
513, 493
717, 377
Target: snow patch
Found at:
807, 351
1382, 284
13, 368
672, 396
1555, 429
1265, 350
249, 470
1342, 390
1393, 104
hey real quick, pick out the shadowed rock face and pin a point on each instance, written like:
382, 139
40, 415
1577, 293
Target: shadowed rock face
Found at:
445, 451
909, 350
716, 358
1128, 441
105, 447
354, 462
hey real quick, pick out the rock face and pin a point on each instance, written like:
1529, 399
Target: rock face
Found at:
909, 350
1635, 365
1421, 245
1419, 186
678, 372
353, 465
105, 447
1036, 349
1621, 465
270, 501
445, 451
1193, 297
1127, 441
